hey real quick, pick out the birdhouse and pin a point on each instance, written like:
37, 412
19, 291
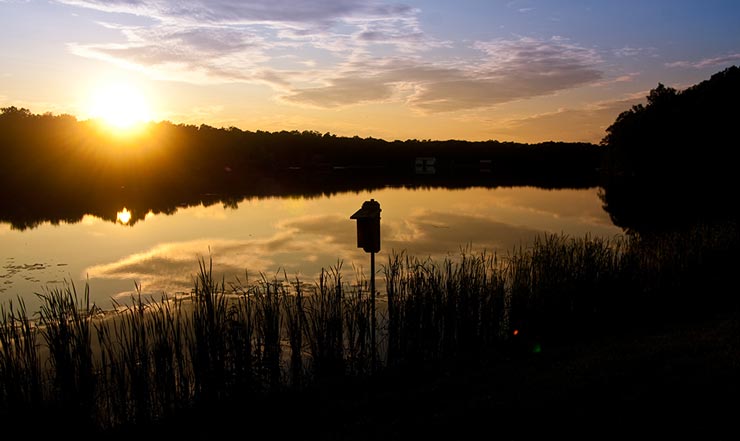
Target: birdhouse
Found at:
368, 226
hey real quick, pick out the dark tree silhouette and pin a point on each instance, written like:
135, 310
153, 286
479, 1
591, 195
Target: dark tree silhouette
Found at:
56, 168
669, 163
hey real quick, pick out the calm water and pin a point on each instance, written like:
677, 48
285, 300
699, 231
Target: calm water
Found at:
296, 235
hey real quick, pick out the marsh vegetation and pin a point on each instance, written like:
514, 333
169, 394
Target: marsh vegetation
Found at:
242, 341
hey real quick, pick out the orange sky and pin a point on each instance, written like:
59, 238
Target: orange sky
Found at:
525, 71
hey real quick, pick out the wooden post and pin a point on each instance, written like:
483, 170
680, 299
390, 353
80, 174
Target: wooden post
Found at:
372, 309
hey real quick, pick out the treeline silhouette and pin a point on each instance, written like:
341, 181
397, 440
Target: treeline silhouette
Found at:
56, 168
670, 163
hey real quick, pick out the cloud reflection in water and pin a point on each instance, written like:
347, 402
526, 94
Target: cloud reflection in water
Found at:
297, 236
304, 245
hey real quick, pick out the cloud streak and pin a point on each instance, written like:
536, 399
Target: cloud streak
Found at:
359, 52
245, 12
707, 62
586, 124
508, 70
236, 41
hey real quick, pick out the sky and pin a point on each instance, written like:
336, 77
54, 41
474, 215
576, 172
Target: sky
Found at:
511, 70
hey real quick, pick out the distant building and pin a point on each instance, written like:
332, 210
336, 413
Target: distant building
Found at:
485, 166
425, 165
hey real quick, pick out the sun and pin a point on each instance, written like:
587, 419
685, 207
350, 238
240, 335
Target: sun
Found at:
120, 105
123, 216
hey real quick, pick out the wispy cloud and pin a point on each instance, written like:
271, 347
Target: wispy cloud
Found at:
332, 53
321, 12
629, 51
507, 70
226, 40
214, 53
628, 77
585, 124
707, 62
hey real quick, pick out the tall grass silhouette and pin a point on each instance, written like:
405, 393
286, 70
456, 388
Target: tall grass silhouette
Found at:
145, 361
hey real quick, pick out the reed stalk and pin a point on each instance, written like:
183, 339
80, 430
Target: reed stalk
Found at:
20, 368
65, 325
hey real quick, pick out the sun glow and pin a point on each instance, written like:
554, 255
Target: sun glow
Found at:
123, 216
121, 106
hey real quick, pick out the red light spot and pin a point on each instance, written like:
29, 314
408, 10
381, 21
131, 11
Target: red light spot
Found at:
516, 332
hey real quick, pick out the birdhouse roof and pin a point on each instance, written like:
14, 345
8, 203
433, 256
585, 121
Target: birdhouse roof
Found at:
370, 209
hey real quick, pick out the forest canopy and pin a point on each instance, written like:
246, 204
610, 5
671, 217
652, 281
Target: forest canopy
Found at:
671, 161
678, 131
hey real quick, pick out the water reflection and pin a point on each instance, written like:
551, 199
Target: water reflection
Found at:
292, 236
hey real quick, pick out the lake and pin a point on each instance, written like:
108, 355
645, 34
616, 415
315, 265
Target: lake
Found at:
295, 236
